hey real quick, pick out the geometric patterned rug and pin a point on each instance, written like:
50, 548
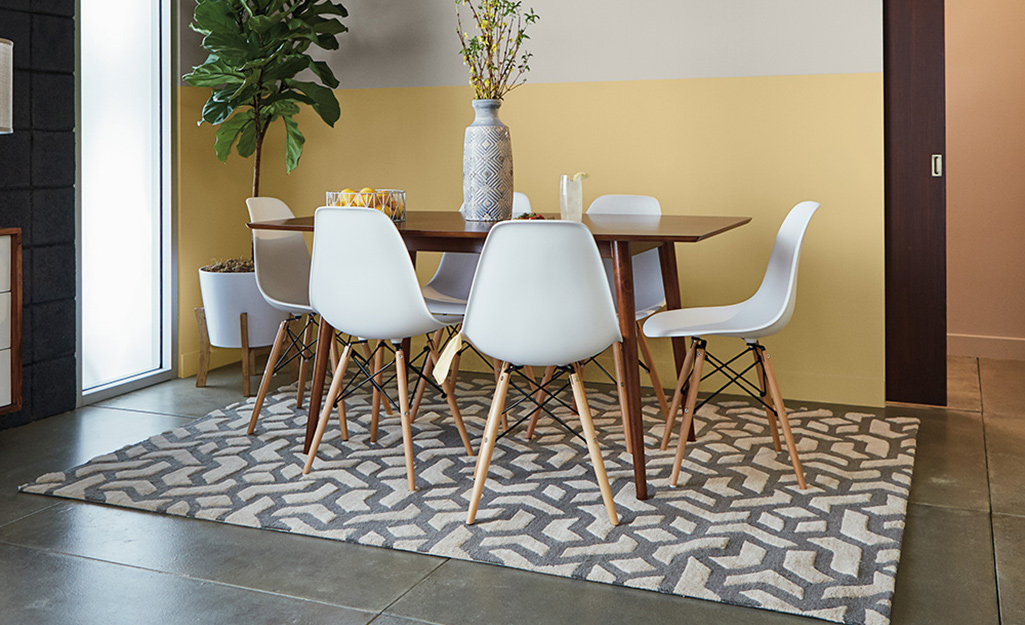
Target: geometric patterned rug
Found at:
737, 530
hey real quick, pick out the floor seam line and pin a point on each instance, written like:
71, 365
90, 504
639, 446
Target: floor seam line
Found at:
148, 412
30, 514
204, 580
989, 497
410, 589
978, 376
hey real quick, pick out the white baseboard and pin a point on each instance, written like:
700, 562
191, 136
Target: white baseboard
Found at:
998, 347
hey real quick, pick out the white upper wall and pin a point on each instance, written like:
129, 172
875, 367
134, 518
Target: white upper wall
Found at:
413, 43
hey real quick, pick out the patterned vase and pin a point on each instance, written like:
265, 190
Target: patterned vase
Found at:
487, 165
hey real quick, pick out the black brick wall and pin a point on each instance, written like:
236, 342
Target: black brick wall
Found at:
37, 194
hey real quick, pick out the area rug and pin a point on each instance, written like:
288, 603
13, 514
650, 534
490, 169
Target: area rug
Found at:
737, 530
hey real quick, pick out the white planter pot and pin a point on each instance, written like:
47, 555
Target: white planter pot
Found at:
225, 297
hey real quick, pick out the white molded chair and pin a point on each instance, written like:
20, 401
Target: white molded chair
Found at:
283, 276
768, 311
551, 273
447, 291
363, 283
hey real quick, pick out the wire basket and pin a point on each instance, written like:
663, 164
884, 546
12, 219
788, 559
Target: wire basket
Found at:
391, 202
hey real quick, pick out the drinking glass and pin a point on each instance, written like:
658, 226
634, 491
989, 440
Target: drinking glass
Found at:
571, 198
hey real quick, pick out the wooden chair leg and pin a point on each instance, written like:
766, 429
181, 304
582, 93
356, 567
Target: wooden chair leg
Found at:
204, 348
325, 413
448, 385
592, 445
375, 411
539, 397
656, 382
407, 425
688, 412
488, 443
763, 387
784, 421
268, 372
246, 362
343, 421
304, 364
497, 366
684, 375
617, 360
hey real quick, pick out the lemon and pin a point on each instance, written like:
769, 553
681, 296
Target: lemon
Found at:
367, 197
580, 175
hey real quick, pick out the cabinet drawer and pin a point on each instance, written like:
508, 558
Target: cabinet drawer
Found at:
5, 263
5, 377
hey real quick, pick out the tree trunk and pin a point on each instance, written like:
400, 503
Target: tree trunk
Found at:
256, 164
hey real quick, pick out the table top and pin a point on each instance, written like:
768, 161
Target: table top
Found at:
450, 224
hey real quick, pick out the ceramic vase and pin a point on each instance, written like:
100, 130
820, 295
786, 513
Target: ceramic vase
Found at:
487, 165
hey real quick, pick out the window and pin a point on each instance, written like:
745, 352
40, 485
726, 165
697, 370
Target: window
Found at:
124, 163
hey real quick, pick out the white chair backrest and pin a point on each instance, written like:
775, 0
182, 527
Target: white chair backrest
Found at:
777, 294
614, 204
521, 205
362, 281
281, 258
649, 292
540, 295
455, 274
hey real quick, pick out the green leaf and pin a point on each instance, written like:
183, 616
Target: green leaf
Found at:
214, 73
294, 141
283, 67
213, 15
247, 139
323, 71
228, 132
215, 111
324, 101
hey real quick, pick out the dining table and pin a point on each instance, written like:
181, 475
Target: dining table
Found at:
619, 237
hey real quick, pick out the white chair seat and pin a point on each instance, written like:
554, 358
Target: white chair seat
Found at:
440, 304
739, 320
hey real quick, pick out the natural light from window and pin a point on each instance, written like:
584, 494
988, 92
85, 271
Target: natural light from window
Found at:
120, 174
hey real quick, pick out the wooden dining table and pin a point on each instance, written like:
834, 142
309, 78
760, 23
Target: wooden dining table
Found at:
619, 237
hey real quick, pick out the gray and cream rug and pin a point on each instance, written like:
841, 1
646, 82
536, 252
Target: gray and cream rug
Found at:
737, 530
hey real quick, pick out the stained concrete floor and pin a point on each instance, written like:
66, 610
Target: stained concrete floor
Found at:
71, 563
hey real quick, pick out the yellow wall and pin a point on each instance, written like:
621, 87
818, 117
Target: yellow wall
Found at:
724, 146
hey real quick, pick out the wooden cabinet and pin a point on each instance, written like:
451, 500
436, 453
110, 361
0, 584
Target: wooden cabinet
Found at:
10, 319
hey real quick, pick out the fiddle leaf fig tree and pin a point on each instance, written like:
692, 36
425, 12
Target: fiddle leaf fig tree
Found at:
257, 52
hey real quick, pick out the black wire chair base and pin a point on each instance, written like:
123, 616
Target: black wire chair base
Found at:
297, 347
733, 377
550, 396
415, 365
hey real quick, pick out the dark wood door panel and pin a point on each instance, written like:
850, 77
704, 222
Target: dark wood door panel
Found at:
915, 220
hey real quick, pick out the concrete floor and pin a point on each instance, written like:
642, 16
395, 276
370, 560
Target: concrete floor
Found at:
63, 562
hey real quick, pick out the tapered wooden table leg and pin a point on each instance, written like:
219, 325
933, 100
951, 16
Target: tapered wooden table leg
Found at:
324, 339
623, 265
